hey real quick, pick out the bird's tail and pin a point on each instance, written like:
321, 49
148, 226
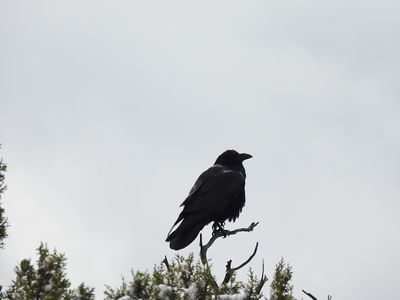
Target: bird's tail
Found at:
184, 234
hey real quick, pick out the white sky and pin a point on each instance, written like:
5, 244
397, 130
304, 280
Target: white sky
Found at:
110, 111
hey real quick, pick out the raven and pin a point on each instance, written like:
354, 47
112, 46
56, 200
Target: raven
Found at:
217, 195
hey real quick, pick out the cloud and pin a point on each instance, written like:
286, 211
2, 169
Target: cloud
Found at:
112, 111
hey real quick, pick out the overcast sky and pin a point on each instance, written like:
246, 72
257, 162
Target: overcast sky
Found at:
110, 110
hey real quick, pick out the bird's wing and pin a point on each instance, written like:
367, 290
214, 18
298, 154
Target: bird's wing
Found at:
211, 193
213, 189
203, 178
197, 189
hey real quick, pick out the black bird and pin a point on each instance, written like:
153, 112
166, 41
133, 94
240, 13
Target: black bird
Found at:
217, 195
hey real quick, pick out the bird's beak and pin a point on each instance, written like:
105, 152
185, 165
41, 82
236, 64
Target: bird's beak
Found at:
244, 156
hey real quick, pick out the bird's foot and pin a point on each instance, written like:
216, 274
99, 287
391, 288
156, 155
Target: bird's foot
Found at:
218, 227
224, 233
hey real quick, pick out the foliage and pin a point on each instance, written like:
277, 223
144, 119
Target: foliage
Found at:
83, 292
183, 279
47, 281
3, 219
281, 287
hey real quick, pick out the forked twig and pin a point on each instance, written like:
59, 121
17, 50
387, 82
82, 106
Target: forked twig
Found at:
263, 280
218, 234
229, 270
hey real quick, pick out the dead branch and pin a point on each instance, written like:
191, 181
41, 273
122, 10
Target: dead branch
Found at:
165, 261
263, 280
229, 270
311, 295
225, 233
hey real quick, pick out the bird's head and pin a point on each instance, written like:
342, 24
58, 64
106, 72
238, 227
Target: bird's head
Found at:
232, 158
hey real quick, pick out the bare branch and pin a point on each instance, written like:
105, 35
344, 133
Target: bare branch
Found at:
225, 233
310, 295
229, 270
165, 261
263, 280
203, 256
248, 260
